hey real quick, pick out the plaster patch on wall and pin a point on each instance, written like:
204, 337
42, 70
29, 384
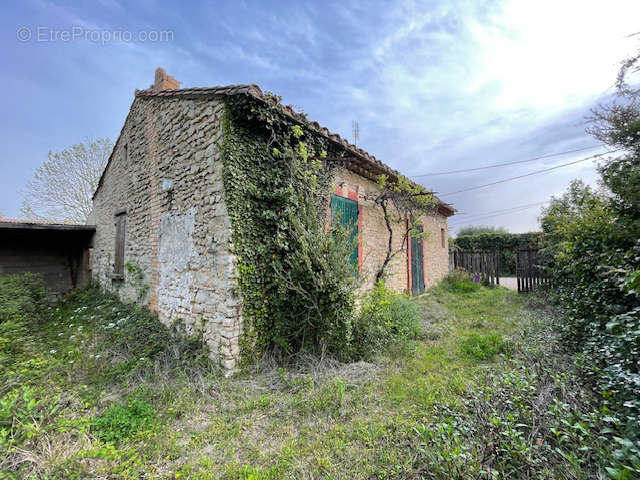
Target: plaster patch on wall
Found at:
175, 254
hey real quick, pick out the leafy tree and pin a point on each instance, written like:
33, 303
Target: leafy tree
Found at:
62, 187
618, 125
574, 203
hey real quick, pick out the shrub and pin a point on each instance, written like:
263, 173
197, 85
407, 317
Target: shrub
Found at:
482, 347
535, 419
131, 332
22, 298
595, 252
120, 422
460, 281
387, 319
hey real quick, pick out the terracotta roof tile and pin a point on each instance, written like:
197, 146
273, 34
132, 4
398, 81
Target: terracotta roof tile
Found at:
256, 92
375, 165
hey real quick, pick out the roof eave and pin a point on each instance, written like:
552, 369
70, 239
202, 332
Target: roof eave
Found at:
46, 226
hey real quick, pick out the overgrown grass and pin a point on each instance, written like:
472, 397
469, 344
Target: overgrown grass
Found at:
91, 397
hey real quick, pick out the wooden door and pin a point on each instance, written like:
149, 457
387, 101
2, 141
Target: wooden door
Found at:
417, 266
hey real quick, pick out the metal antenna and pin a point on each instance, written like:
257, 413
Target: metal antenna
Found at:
355, 129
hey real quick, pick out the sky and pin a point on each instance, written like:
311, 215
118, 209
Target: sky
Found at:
434, 85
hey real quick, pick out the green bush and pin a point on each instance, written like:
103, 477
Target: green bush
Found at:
482, 347
593, 237
535, 417
595, 253
120, 422
132, 332
386, 320
23, 302
22, 298
460, 281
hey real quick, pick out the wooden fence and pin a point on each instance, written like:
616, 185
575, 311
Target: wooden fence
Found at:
529, 270
486, 265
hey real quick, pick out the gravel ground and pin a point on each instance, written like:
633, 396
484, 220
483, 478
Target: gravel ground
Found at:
509, 282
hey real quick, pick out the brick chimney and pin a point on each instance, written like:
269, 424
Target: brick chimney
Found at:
164, 81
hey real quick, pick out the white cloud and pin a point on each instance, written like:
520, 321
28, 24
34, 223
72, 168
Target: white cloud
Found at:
549, 55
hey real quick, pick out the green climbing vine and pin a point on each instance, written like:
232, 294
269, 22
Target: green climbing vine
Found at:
294, 274
403, 203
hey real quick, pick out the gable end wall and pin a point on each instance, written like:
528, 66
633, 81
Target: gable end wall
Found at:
178, 232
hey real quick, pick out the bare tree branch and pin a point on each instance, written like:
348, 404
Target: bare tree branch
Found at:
62, 187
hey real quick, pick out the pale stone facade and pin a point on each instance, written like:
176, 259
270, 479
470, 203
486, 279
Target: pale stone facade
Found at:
165, 173
165, 177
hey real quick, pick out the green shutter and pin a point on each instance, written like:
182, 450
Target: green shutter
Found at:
346, 211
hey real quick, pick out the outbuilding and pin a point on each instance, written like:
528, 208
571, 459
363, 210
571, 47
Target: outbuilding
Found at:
58, 252
164, 233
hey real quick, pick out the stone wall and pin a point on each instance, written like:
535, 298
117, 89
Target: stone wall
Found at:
166, 173
436, 255
373, 237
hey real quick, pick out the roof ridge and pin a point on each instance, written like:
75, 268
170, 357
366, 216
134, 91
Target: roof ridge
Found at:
253, 90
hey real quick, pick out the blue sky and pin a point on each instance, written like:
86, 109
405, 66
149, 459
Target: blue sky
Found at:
434, 85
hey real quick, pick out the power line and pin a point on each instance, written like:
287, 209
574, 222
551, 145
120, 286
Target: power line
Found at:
497, 214
486, 217
433, 174
503, 209
529, 174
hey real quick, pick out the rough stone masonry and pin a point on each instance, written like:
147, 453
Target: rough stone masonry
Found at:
161, 195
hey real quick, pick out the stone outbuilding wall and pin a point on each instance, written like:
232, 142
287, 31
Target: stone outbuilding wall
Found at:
165, 177
57, 253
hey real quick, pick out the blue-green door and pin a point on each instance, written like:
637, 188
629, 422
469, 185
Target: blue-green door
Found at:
417, 265
346, 211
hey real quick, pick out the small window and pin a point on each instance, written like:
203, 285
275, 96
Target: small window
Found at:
442, 238
126, 153
121, 227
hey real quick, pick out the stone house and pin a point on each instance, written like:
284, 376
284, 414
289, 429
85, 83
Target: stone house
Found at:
163, 232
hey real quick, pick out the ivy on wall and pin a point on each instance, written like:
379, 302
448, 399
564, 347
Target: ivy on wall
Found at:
294, 273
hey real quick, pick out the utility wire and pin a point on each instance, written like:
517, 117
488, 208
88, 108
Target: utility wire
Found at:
503, 209
481, 219
529, 174
449, 172
484, 217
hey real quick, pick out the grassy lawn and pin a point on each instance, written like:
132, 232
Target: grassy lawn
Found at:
94, 392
